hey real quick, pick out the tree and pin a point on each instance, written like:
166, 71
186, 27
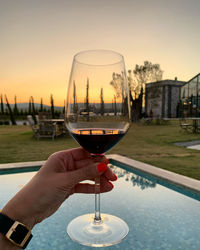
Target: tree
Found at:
115, 106
75, 105
12, 118
16, 111
29, 107
41, 105
116, 82
102, 103
2, 105
22, 112
137, 79
119, 84
146, 73
87, 96
64, 108
52, 107
33, 109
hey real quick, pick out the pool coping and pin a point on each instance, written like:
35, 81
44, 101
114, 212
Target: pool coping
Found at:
177, 179
174, 178
21, 165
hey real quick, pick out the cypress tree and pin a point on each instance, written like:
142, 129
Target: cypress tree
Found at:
64, 108
75, 106
87, 96
102, 102
16, 111
29, 107
33, 109
115, 105
52, 107
41, 105
2, 106
12, 118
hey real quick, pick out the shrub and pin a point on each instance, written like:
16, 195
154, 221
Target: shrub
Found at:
6, 123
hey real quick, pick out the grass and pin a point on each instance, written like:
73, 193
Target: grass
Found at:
153, 144
18, 145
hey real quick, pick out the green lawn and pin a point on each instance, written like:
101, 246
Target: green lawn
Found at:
152, 144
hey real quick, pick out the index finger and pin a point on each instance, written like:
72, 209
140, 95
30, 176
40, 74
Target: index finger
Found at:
79, 154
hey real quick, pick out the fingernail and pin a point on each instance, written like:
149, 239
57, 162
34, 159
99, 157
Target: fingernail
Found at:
110, 184
115, 176
107, 161
101, 167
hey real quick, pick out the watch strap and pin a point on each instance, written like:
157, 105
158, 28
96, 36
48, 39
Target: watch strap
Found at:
5, 223
16, 232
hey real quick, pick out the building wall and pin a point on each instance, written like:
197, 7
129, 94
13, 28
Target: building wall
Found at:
165, 106
165, 103
174, 101
154, 103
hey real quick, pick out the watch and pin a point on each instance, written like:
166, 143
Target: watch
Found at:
16, 232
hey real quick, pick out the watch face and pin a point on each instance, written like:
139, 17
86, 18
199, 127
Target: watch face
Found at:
19, 234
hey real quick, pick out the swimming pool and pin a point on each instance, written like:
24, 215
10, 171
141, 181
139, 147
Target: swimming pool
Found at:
160, 215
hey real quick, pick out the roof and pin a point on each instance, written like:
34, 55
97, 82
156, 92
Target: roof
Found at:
167, 82
193, 77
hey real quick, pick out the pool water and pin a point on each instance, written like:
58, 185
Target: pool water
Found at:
160, 215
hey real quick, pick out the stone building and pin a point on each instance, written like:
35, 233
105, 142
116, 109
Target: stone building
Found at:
162, 98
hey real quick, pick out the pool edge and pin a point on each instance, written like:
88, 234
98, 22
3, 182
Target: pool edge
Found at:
21, 165
171, 177
174, 178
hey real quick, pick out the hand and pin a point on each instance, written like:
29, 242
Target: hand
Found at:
56, 181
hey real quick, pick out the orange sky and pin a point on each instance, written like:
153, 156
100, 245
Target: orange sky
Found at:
39, 39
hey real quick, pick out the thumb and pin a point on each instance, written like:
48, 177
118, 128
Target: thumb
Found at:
85, 173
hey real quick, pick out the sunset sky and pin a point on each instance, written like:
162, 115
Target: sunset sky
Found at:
38, 39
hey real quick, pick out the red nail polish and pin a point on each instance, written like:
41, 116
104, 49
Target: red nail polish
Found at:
115, 176
110, 183
101, 167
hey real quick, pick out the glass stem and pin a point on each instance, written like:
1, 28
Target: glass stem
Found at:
97, 215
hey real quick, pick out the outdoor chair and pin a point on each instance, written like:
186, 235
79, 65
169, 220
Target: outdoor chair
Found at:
37, 119
47, 129
44, 129
34, 127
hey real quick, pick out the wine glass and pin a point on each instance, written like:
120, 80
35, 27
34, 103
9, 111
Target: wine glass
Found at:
97, 116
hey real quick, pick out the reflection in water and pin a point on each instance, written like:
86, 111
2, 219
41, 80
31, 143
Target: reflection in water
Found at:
136, 180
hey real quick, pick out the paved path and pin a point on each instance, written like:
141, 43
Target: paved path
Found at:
189, 144
197, 147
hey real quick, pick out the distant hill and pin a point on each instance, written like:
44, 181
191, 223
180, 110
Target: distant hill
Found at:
25, 106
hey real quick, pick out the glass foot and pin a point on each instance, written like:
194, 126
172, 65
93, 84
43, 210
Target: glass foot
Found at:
109, 231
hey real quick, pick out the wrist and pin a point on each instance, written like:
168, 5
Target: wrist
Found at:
19, 213
19, 208
22, 207
14, 234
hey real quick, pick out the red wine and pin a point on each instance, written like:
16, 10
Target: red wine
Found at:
97, 141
